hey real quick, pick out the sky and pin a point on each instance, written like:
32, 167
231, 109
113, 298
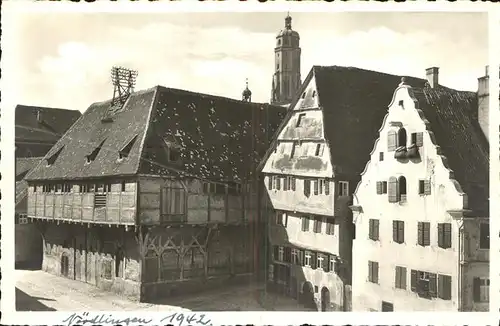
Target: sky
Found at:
64, 59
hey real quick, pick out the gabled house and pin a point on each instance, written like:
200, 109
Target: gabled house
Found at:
421, 209
155, 196
311, 170
37, 129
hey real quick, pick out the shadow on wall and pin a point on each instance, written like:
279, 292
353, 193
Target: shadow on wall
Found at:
286, 277
25, 302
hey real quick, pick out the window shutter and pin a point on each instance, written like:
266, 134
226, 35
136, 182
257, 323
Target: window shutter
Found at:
427, 240
303, 224
375, 228
278, 183
403, 277
395, 231
432, 285
476, 289
285, 183
447, 235
313, 260
440, 286
379, 187
391, 141
397, 281
370, 271
375, 271
276, 252
420, 139
401, 231
270, 182
327, 187
393, 190
441, 235
315, 187
427, 187
293, 183
413, 282
420, 234
444, 286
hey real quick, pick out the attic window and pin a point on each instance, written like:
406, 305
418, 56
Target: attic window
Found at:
92, 156
401, 103
303, 95
319, 150
314, 94
51, 159
299, 120
125, 151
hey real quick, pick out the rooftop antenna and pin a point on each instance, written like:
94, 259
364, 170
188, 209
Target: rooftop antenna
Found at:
124, 82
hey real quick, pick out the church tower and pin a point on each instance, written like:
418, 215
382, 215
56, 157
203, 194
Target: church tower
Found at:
286, 78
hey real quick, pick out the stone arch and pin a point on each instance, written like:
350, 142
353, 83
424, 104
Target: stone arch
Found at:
307, 296
65, 265
325, 299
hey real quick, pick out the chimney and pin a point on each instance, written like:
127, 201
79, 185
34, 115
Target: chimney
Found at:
483, 102
432, 76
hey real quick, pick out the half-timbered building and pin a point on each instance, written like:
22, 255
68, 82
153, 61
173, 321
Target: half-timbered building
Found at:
156, 195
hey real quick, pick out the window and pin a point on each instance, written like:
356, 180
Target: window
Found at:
424, 233
343, 188
402, 137
444, 235
286, 183
92, 156
292, 153
481, 289
299, 119
124, 188
401, 102
281, 219
316, 187
381, 187
484, 236
307, 259
278, 65
327, 187
387, 306
292, 182
314, 94
303, 96
295, 258
305, 223
209, 188
307, 188
119, 263
317, 225
319, 261
424, 283
321, 186
400, 282
331, 266
100, 200
381, 156
417, 138
398, 231
287, 258
373, 229
173, 201
330, 226
174, 154
281, 253
424, 187
125, 151
319, 150
278, 183
402, 188
444, 287
391, 141
373, 271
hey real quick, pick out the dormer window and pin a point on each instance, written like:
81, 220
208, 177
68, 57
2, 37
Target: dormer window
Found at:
92, 156
125, 151
51, 159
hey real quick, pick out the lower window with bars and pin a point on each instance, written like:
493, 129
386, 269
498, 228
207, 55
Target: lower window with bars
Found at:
100, 200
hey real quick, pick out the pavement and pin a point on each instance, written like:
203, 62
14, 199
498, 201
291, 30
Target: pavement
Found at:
41, 291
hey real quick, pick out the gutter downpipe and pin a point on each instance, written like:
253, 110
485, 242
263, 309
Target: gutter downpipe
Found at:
460, 266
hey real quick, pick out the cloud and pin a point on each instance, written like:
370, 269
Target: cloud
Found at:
218, 59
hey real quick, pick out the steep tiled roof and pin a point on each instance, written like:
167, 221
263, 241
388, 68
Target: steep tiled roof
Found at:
52, 124
451, 116
23, 165
355, 101
214, 135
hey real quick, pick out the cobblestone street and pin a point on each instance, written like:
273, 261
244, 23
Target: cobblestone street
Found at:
40, 291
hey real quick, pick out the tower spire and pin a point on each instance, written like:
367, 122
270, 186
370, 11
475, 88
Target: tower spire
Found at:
247, 93
288, 21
